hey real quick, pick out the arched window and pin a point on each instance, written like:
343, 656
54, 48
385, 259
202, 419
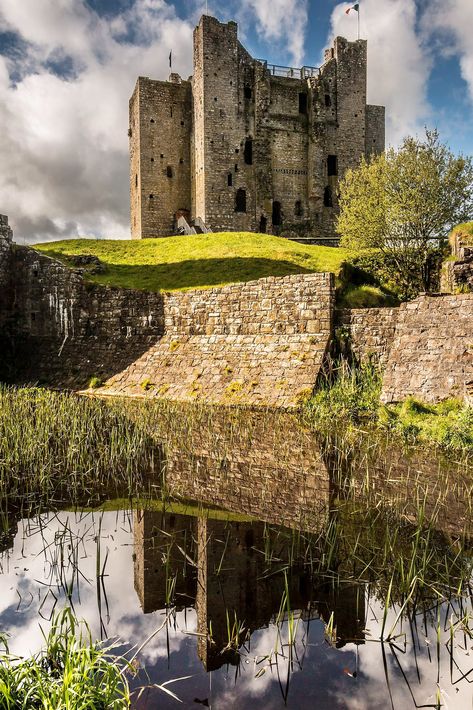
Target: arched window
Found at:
169, 171
263, 224
247, 91
229, 179
298, 210
240, 200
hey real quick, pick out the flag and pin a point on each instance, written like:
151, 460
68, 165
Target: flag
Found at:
170, 59
355, 7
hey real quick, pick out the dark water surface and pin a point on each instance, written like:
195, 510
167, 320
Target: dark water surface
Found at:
289, 573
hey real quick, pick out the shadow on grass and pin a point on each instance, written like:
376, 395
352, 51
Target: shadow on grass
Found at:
196, 273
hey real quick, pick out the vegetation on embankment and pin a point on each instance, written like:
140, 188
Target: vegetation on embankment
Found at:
216, 259
196, 261
466, 230
72, 672
350, 397
54, 444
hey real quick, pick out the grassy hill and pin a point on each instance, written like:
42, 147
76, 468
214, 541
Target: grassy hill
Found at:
197, 261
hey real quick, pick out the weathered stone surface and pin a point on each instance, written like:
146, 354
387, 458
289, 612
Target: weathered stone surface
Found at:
282, 136
431, 357
63, 331
457, 275
259, 343
366, 334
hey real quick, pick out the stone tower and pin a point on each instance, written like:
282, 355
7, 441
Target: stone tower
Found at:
244, 145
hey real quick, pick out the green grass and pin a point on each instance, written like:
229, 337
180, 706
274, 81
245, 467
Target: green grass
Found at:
448, 424
72, 672
351, 398
198, 261
366, 297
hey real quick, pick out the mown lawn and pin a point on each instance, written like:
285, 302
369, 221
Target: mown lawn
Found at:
197, 261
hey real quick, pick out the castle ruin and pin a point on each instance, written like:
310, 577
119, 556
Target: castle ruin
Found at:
248, 146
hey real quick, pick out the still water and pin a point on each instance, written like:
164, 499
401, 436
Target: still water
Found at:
283, 572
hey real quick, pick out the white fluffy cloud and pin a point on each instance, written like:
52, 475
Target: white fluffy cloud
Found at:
63, 141
398, 64
284, 21
450, 22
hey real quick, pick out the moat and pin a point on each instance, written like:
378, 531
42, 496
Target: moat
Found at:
282, 568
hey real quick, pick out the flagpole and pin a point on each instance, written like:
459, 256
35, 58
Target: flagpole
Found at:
358, 21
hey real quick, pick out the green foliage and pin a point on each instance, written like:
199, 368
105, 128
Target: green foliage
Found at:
404, 203
448, 424
350, 396
70, 673
347, 396
197, 261
366, 297
95, 382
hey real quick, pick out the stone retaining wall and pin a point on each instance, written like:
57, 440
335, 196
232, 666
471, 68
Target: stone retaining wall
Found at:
64, 331
366, 334
431, 357
261, 343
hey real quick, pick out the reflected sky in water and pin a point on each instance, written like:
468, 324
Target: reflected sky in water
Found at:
56, 553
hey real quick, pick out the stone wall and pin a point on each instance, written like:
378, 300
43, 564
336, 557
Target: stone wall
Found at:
261, 343
5, 269
366, 334
457, 274
431, 357
65, 331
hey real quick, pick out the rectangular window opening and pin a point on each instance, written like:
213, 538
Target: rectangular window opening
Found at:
332, 166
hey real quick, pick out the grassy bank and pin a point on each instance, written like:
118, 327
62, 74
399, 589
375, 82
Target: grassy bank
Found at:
72, 672
57, 443
197, 261
351, 399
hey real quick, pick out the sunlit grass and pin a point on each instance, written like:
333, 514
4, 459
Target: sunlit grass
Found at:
202, 260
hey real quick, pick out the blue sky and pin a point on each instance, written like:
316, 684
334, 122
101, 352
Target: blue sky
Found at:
67, 69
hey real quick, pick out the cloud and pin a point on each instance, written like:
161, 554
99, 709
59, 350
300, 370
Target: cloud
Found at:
448, 23
283, 21
398, 63
63, 139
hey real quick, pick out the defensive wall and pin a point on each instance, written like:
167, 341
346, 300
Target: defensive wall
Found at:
259, 343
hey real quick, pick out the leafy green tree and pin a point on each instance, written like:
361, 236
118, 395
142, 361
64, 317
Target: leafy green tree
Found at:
404, 203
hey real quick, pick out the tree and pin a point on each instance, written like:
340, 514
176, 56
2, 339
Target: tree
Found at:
404, 203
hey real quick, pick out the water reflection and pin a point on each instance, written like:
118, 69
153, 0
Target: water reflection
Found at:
290, 573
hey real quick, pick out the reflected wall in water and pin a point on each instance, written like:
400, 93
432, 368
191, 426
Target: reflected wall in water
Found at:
262, 464
243, 569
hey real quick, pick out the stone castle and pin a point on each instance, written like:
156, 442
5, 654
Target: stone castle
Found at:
248, 146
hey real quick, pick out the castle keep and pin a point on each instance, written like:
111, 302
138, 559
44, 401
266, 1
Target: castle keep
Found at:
247, 146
